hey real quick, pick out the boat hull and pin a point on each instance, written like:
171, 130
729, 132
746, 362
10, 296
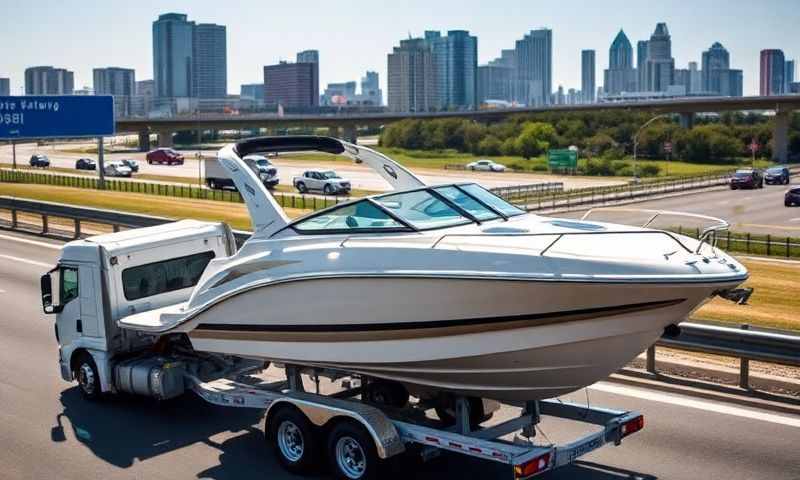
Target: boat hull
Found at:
500, 339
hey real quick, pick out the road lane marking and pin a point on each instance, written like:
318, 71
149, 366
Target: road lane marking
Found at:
31, 242
796, 219
697, 404
25, 260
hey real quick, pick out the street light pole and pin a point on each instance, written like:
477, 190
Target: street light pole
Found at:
636, 142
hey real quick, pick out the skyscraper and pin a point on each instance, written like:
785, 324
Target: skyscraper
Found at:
695, 78
641, 62
5, 87
716, 60
371, 93
773, 71
410, 77
119, 82
788, 76
660, 66
311, 57
455, 68
210, 79
620, 75
173, 56
49, 81
292, 85
587, 76
534, 67
495, 82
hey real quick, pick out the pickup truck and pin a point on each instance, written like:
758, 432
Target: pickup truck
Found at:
218, 178
326, 181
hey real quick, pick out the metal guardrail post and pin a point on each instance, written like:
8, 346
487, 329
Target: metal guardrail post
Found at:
744, 367
44, 223
651, 359
77, 228
13, 218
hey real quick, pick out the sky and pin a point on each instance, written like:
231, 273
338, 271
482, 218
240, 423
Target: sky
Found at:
354, 36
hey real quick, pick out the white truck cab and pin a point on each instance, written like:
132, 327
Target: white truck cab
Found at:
100, 279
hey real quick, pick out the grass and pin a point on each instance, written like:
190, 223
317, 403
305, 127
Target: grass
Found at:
235, 214
774, 303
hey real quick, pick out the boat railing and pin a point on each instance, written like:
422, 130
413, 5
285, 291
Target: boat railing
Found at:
707, 236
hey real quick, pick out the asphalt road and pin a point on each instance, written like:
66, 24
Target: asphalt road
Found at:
755, 211
362, 177
47, 431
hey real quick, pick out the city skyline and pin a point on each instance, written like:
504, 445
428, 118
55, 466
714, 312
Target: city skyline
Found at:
128, 44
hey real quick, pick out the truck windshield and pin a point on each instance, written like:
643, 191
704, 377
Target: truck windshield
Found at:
329, 174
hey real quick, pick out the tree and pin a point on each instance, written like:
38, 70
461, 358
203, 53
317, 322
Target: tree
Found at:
490, 146
535, 139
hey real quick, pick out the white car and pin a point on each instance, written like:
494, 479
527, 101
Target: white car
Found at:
486, 166
117, 169
327, 181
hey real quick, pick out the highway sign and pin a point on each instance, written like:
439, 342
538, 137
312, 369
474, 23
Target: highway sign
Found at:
667, 147
562, 159
56, 116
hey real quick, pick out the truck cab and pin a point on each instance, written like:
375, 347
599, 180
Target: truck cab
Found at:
100, 279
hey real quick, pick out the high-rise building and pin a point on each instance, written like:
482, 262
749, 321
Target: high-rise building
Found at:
371, 93
411, 86
5, 87
620, 75
210, 53
732, 83
173, 55
49, 81
773, 71
253, 92
455, 68
660, 66
495, 82
308, 56
695, 78
641, 62
142, 101
716, 63
292, 85
788, 76
534, 67
119, 82
588, 75
189, 60
682, 78
343, 93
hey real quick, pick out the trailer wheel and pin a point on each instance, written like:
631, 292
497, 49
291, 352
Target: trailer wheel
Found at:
294, 440
352, 454
88, 377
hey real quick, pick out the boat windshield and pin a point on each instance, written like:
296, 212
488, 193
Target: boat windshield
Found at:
421, 209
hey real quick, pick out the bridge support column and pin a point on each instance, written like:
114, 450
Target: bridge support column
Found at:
349, 134
333, 132
144, 141
687, 120
165, 138
780, 137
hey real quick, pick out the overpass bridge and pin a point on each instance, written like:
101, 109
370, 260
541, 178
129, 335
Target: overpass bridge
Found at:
345, 125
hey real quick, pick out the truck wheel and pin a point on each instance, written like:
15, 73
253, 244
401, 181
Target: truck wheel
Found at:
328, 190
294, 440
352, 454
212, 184
301, 187
88, 377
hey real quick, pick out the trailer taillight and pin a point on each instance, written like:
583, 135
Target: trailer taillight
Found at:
632, 426
533, 466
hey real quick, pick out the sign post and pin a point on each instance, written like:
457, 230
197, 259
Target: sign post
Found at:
753, 150
668, 151
101, 172
13, 154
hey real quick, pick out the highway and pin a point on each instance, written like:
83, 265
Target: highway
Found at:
361, 176
49, 432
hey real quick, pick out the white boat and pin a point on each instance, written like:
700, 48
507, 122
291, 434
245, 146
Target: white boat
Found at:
441, 288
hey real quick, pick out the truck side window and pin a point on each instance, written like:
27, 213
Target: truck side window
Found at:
69, 284
166, 276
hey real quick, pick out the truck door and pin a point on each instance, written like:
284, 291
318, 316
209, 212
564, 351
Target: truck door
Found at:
68, 320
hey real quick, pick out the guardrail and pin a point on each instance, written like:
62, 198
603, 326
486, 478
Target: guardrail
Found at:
762, 346
520, 193
756, 345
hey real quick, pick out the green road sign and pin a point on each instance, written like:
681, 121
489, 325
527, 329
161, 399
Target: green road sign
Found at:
562, 159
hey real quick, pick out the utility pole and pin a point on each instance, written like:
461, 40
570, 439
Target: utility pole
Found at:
636, 143
100, 167
13, 154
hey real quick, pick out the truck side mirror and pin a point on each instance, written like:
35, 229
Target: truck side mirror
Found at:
49, 302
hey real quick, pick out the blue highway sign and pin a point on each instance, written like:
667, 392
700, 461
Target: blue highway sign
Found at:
56, 116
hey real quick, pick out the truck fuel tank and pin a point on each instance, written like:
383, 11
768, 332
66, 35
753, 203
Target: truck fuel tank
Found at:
158, 377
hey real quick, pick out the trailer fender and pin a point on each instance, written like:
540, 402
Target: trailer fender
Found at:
320, 411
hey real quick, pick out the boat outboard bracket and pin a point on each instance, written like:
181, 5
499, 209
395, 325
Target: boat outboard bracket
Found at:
740, 296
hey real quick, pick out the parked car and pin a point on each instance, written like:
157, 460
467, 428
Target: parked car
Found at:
117, 169
164, 156
39, 160
326, 181
792, 197
777, 176
85, 164
130, 163
486, 166
747, 178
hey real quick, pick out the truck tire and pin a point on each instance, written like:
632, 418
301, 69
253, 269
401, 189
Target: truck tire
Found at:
212, 184
88, 377
294, 439
351, 453
301, 187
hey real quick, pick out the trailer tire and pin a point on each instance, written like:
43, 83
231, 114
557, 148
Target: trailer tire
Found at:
351, 453
294, 439
86, 373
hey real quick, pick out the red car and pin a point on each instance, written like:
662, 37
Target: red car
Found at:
164, 156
